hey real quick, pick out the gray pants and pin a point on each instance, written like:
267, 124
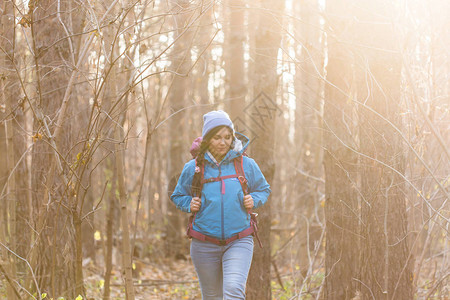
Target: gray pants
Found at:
222, 270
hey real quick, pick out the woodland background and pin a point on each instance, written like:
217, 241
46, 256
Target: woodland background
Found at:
346, 104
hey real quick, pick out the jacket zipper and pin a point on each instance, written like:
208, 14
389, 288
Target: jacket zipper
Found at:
221, 206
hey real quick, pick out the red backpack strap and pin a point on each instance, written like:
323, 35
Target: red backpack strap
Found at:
239, 167
197, 181
196, 189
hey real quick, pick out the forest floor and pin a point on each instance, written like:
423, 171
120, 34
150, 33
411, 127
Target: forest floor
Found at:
166, 279
177, 280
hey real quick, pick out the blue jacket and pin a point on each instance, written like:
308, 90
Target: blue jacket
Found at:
222, 215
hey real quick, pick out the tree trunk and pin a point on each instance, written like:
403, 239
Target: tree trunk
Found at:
11, 190
178, 148
263, 110
9, 88
308, 158
111, 199
235, 38
341, 199
203, 65
3, 179
3, 166
3, 174
362, 71
109, 92
126, 245
386, 265
54, 255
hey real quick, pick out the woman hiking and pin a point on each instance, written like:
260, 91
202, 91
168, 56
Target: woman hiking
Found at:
229, 186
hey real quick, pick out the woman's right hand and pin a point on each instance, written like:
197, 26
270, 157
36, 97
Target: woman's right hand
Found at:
196, 202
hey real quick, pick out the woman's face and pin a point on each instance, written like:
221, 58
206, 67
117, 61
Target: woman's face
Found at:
220, 143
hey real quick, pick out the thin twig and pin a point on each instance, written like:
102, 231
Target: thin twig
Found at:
29, 266
11, 283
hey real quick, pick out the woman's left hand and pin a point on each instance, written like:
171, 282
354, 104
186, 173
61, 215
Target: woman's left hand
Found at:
248, 202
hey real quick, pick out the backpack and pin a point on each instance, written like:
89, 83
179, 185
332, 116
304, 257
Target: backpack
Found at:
196, 189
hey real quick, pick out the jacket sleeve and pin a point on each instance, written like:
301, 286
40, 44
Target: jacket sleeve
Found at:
181, 196
257, 184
